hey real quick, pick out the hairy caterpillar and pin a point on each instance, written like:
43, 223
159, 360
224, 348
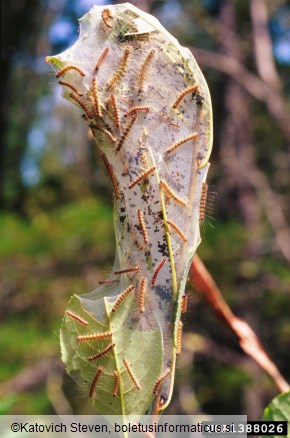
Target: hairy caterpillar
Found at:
102, 353
141, 177
95, 380
97, 103
114, 280
117, 382
117, 76
131, 374
143, 226
66, 69
144, 70
126, 132
83, 105
76, 317
179, 98
180, 142
157, 270
178, 230
72, 87
106, 15
126, 270
202, 203
135, 109
111, 172
116, 111
102, 58
171, 193
122, 297
160, 380
179, 338
142, 289
94, 336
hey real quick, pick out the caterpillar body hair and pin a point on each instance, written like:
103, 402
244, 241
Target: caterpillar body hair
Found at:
95, 380
125, 270
143, 226
83, 105
106, 15
66, 69
116, 111
122, 297
141, 177
113, 177
144, 70
141, 298
94, 336
76, 317
179, 98
178, 230
202, 203
102, 58
171, 193
135, 109
160, 380
117, 383
126, 132
179, 338
117, 76
102, 353
182, 141
157, 270
131, 374
97, 104
72, 87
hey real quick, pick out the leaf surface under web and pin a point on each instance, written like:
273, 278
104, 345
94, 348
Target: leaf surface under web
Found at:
149, 109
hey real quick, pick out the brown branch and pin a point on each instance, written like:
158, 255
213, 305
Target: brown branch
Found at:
30, 377
232, 67
248, 340
250, 82
263, 45
273, 208
55, 394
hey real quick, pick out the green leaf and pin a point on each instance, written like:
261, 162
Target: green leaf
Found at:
157, 158
131, 341
278, 410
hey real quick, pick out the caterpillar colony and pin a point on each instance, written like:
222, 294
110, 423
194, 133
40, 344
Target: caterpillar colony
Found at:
147, 104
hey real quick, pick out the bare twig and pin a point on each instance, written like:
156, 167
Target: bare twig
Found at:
273, 209
55, 394
232, 67
263, 45
252, 83
32, 376
248, 340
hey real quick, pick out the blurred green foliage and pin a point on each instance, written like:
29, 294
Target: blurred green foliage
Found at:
43, 259
62, 234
